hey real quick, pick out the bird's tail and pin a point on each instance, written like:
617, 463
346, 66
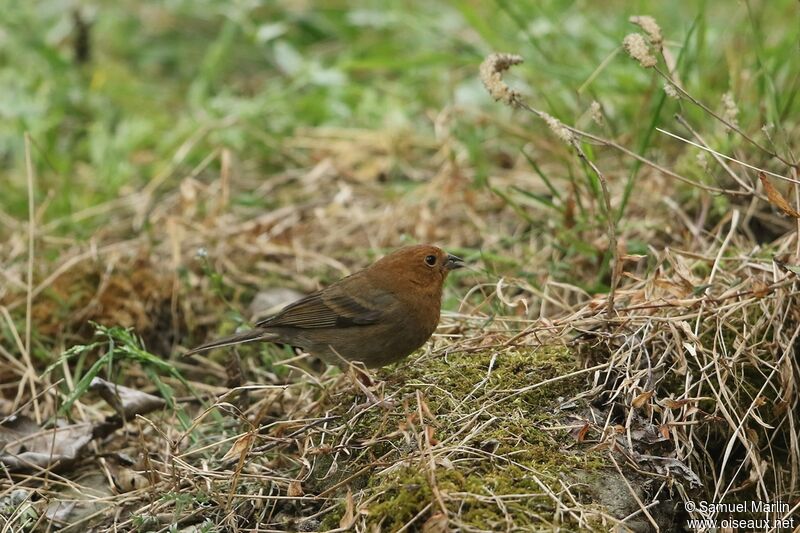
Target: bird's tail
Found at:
236, 338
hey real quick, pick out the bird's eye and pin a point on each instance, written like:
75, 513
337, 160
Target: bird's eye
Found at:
430, 260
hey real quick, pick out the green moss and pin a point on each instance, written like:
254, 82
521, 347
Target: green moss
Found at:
491, 442
408, 491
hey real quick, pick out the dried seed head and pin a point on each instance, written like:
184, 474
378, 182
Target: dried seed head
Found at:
671, 91
650, 27
561, 131
731, 111
596, 112
491, 73
637, 48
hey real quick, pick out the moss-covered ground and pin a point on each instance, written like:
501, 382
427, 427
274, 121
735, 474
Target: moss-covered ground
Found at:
465, 439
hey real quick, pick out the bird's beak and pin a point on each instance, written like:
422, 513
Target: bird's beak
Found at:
453, 262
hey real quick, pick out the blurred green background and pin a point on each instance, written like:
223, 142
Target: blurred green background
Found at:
249, 73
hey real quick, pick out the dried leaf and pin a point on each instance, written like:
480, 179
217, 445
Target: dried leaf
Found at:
126, 402
437, 523
427, 412
776, 198
647, 435
58, 511
675, 289
752, 436
691, 348
642, 399
430, 433
127, 479
672, 63
444, 462
760, 289
670, 467
349, 516
240, 447
582, 432
683, 272
69, 505
26, 445
295, 489
669, 403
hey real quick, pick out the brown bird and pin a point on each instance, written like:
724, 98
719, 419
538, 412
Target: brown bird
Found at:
377, 316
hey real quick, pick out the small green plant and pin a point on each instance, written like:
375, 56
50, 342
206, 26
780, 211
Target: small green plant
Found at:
121, 346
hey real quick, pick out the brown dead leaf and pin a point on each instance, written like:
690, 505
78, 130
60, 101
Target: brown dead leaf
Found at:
430, 432
240, 447
127, 477
295, 489
759, 288
427, 411
675, 289
776, 198
684, 273
134, 292
669, 403
569, 211
582, 432
752, 435
642, 399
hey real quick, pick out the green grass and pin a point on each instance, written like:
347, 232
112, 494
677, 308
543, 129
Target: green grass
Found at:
121, 347
158, 74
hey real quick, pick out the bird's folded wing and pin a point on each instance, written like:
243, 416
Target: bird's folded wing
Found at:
326, 309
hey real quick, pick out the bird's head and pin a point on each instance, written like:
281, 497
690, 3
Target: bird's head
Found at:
422, 265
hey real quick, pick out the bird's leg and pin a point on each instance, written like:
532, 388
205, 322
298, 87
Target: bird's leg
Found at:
364, 381
363, 376
359, 375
